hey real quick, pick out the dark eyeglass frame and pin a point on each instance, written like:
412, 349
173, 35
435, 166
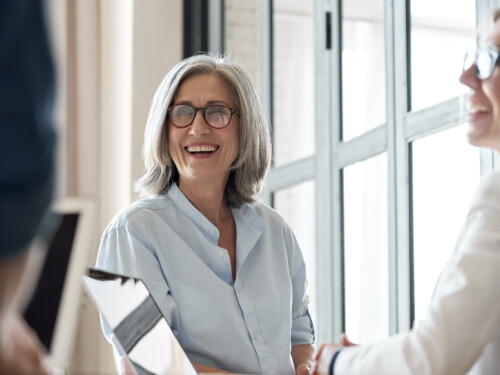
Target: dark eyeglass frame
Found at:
204, 112
482, 72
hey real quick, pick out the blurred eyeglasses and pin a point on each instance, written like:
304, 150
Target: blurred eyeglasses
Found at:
484, 61
215, 115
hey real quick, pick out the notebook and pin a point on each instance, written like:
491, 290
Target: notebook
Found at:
139, 331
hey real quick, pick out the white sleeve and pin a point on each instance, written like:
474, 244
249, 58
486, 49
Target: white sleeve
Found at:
464, 313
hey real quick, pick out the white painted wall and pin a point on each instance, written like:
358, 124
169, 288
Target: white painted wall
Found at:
111, 55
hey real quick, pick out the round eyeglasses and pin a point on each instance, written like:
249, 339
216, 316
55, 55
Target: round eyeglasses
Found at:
216, 116
484, 61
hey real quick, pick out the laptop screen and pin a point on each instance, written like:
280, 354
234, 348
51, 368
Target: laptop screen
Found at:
55, 307
138, 329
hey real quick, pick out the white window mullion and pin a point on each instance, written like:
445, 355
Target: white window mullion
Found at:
402, 173
328, 269
336, 263
390, 20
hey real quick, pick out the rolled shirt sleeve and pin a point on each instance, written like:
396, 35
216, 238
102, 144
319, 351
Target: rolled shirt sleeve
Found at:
302, 326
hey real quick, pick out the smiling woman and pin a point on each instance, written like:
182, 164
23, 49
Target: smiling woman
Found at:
226, 271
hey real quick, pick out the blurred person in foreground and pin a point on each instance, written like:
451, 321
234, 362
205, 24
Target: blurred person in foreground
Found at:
225, 270
26, 174
461, 330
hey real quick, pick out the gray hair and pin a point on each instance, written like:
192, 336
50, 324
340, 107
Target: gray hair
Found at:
248, 171
487, 24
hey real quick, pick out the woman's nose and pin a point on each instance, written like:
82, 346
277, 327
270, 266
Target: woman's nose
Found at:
199, 126
469, 78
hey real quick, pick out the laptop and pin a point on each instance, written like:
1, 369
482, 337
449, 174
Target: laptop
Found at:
55, 307
138, 330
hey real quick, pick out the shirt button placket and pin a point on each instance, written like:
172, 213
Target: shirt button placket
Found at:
252, 327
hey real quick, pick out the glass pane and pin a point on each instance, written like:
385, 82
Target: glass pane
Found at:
297, 205
363, 66
366, 250
445, 175
293, 80
441, 32
241, 35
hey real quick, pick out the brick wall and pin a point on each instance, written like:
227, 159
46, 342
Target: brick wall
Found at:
242, 35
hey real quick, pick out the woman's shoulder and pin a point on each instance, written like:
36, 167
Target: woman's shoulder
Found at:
489, 188
261, 209
139, 212
268, 214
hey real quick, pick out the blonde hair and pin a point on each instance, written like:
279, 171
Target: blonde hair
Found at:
248, 171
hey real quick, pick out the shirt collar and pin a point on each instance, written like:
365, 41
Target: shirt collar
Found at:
249, 228
183, 204
249, 223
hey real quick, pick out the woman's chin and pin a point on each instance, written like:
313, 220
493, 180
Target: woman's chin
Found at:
482, 137
473, 141
478, 131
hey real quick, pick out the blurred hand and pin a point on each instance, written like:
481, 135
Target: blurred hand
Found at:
20, 349
344, 341
324, 357
325, 354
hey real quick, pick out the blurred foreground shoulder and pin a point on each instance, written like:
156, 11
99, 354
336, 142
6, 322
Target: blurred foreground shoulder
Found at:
488, 190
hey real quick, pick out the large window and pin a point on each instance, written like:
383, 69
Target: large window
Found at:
371, 165
275, 42
443, 184
366, 255
441, 31
296, 204
363, 67
293, 80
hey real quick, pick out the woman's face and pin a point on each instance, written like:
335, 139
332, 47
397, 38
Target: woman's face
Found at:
203, 154
484, 116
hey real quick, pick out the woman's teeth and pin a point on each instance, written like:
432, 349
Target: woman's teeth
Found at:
201, 149
478, 108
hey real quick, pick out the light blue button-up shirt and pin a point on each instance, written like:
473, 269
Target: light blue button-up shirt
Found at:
245, 326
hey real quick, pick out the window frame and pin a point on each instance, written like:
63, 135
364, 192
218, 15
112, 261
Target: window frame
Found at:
332, 155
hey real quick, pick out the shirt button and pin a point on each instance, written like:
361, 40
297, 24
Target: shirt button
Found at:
255, 336
212, 231
220, 253
238, 290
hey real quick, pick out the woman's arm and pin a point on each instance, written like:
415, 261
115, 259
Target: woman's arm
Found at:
202, 369
303, 359
302, 334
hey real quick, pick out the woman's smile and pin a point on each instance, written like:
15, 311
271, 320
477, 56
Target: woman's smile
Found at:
201, 149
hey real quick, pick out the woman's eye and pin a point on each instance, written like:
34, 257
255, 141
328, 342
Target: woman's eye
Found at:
215, 109
183, 111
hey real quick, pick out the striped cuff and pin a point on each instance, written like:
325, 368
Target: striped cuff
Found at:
332, 363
